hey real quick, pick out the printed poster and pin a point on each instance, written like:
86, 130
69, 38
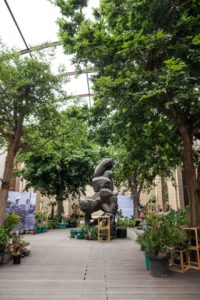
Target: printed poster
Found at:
23, 205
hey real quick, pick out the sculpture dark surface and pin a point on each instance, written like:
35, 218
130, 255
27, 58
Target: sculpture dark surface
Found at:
104, 198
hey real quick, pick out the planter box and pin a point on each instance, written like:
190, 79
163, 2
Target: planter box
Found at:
121, 233
38, 230
44, 229
6, 258
62, 225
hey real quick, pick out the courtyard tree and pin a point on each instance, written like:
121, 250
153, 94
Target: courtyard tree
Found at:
65, 164
139, 158
29, 92
145, 53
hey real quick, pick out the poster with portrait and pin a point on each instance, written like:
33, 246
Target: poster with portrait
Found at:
23, 205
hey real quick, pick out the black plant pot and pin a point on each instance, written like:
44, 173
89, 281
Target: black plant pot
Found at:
16, 259
137, 223
72, 223
159, 266
121, 233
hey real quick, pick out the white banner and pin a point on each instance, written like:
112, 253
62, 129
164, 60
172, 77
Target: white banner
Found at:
125, 203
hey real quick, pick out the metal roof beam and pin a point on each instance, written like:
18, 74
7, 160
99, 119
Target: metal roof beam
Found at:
16, 24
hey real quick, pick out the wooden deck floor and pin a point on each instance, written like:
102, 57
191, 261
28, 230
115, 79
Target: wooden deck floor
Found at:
64, 268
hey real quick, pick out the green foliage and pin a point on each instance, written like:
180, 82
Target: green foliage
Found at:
40, 218
16, 247
64, 164
147, 60
10, 223
3, 239
90, 232
152, 199
179, 217
53, 222
161, 236
29, 92
124, 222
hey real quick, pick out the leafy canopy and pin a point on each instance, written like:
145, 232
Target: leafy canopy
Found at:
29, 93
64, 165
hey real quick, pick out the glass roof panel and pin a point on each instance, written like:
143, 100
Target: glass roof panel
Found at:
37, 22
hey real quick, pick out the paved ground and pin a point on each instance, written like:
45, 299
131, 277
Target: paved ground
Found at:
64, 268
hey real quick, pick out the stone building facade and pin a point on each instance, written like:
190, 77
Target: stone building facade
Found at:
169, 193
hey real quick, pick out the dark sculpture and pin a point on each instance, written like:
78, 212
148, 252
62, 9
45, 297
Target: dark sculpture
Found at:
104, 197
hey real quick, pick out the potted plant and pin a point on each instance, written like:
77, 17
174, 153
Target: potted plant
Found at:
53, 222
10, 223
159, 240
25, 245
63, 224
93, 232
16, 248
122, 223
40, 220
90, 232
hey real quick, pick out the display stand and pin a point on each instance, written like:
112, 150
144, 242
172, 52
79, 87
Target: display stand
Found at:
180, 260
193, 234
104, 228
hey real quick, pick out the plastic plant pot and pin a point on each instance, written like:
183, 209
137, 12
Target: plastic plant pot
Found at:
38, 229
62, 225
73, 233
16, 259
146, 261
80, 235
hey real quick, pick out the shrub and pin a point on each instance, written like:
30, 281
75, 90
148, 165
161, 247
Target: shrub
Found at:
161, 236
3, 239
10, 223
124, 222
53, 222
40, 218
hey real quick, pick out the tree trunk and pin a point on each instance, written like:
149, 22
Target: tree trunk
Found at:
7, 175
52, 210
60, 210
192, 180
136, 205
14, 146
164, 193
136, 189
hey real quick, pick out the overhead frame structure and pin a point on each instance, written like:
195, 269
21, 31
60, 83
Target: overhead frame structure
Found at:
29, 50
16, 24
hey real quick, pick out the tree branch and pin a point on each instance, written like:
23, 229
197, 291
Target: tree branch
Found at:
28, 147
140, 188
